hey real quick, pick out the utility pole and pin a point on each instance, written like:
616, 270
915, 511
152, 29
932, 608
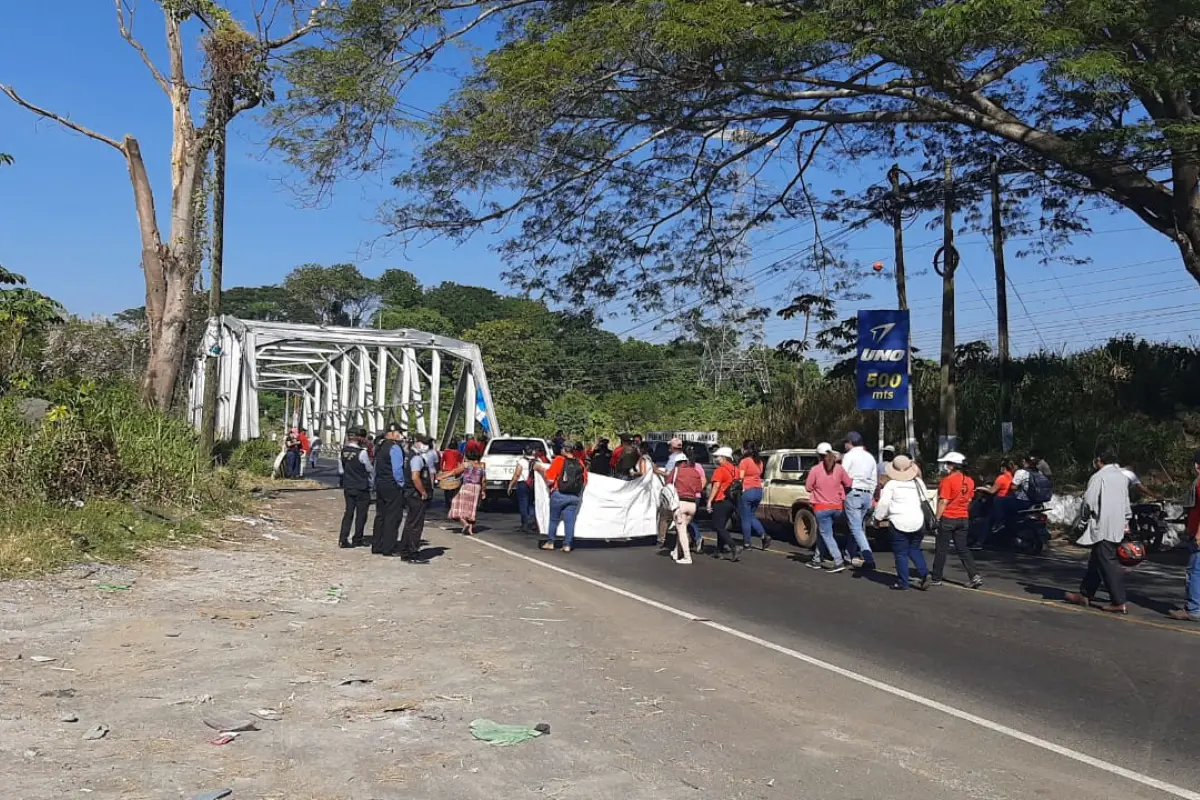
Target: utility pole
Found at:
208, 423
1006, 425
949, 263
902, 298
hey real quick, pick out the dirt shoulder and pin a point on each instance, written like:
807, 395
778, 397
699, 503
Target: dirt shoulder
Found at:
332, 641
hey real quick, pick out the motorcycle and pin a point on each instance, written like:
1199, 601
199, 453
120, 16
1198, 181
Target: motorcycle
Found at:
1148, 525
1027, 532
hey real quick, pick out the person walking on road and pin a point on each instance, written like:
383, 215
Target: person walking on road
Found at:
863, 479
719, 504
314, 450
448, 480
689, 484
389, 489
417, 492
522, 486
355, 475
1191, 609
474, 477
827, 484
750, 470
1106, 512
567, 479
902, 505
955, 493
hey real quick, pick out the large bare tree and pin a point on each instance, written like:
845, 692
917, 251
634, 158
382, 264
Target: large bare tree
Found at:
171, 265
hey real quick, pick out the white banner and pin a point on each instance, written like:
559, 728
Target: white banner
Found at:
612, 509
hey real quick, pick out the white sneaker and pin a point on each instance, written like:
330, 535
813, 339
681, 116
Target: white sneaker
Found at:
683, 561
857, 562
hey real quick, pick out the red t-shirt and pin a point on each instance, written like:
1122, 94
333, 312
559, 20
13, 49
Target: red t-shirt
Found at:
1004, 484
724, 475
555, 470
751, 474
688, 481
957, 489
616, 456
450, 460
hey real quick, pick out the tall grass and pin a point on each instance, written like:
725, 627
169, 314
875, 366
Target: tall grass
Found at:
98, 478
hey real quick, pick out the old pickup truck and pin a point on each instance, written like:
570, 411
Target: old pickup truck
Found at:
785, 500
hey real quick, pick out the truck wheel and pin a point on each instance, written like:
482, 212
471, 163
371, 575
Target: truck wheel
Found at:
804, 528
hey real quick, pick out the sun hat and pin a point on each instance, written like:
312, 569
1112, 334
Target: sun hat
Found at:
902, 468
953, 457
823, 448
723, 452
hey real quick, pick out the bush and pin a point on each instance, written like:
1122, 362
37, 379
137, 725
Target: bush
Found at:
256, 457
101, 442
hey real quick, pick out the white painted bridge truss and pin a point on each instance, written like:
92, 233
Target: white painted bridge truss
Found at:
337, 378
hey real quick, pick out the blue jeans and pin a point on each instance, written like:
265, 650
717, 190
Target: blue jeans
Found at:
1193, 583
563, 507
905, 546
751, 498
292, 464
858, 506
825, 527
525, 503
1004, 511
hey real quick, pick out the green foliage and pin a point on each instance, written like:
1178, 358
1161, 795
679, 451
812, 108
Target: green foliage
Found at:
101, 441
399, 288
255, 457
337, 295
416, 318
24, 316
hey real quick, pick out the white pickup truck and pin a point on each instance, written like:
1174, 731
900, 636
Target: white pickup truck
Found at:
501, 457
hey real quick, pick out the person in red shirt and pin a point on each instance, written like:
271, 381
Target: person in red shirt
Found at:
1000, 489
1191, 610
567, 479
750, 470
452, 459
689, 484
719, 505
953, 511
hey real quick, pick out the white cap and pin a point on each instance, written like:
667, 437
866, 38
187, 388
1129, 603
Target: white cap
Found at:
953, 457
823, 448
724, 452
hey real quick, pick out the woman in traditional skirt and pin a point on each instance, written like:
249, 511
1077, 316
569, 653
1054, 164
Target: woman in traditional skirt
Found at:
473, 475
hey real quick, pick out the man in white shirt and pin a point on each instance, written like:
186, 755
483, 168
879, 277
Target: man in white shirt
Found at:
864, 476
677, 455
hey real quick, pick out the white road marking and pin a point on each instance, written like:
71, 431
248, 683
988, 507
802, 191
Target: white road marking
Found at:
965, 716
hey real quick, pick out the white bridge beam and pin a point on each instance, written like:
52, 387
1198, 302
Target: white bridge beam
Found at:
338, 378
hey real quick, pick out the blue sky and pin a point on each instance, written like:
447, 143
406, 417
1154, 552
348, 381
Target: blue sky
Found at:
68, 222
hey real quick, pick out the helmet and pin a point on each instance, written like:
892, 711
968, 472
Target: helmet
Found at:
1131, 553
953, 457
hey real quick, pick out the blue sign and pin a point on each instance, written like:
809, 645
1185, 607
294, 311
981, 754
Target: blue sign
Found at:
882, 360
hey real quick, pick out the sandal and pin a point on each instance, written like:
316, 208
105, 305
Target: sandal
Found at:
546, 546
566, 548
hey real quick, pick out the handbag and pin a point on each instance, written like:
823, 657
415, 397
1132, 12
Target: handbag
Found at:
931, 521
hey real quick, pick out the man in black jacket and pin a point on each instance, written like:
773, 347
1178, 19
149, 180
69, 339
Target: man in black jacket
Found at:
389, 493
356, 474
416, 498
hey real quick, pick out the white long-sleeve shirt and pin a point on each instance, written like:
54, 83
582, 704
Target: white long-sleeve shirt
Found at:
900, 504
860, 466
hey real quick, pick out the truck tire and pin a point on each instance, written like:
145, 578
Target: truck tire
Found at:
804, 527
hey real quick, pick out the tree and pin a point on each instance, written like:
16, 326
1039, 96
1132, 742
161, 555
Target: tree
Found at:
24, 314
621, 135
243, 58
399, 288
266, 303
465, 306
516, 355
418, 319
337, 295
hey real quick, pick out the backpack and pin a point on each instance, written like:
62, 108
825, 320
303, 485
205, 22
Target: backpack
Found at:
627, 463
571, 479
1039, 489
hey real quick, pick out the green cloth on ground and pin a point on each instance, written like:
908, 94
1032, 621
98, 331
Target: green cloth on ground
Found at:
502, 735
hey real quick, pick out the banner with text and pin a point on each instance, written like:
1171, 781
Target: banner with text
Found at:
882, 360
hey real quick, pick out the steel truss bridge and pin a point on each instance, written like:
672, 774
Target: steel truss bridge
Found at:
338, 378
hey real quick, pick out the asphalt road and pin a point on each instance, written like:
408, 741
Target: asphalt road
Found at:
1118, 689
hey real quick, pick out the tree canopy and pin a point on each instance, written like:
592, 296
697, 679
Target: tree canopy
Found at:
637, 142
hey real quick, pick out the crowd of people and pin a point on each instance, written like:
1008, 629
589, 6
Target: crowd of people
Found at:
849, 485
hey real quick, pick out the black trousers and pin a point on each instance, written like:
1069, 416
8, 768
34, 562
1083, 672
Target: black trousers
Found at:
414, 524
449, 495
722, 512
389, 508
1103, 566
358, 501
953, 530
